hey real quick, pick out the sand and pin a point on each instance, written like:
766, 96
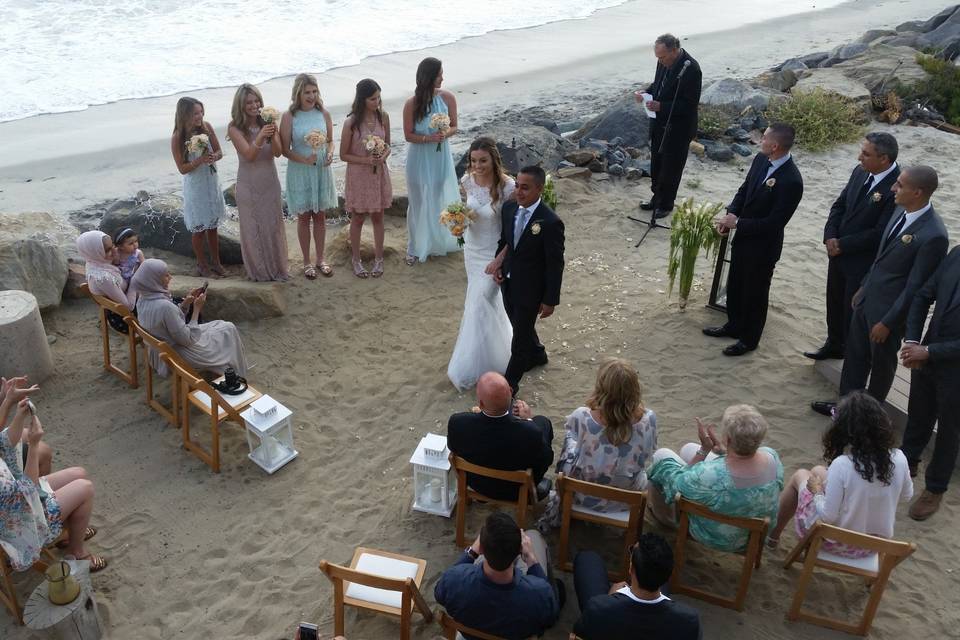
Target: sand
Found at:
362, 364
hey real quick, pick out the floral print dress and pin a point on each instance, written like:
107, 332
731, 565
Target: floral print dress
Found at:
588, 455
24, 527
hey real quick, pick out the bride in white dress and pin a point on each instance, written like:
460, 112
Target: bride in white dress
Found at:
483, 343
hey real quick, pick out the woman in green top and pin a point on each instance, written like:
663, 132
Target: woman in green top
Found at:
731, 475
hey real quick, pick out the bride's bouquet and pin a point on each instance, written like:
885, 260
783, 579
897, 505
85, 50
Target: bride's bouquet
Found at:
440, 122
375, 146
315, 139
200, 144
456, 218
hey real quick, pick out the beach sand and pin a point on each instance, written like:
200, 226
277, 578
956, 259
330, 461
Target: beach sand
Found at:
362, 365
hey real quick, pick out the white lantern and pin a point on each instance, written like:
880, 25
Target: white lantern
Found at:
269, 433
434, 484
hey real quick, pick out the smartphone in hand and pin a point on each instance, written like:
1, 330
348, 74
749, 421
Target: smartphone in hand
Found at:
203, 287
308, 631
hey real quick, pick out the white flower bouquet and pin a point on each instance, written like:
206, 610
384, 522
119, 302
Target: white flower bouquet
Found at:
440, 122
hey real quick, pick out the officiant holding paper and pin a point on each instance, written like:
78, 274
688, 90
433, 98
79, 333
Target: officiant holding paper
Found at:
673, 99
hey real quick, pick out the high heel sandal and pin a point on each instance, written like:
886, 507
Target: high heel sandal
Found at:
359, 270
377, 268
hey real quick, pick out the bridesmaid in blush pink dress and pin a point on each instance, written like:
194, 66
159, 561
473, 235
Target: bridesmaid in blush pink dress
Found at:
368, 190
263, 240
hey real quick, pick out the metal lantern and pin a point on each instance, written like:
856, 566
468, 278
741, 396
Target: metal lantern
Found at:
269, 434
434, 483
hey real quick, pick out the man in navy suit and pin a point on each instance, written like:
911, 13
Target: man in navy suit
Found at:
529, 269
759, 212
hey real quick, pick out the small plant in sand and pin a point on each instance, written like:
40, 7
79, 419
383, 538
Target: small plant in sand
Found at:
822, 119
692, 229
713, 120
941, 88
549, 195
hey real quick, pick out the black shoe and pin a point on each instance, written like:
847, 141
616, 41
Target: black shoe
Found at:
737, 349
914, 468
543, 489
662, 213
823, 408
647, 206
538, 361
827, 351
718, 332
561, 591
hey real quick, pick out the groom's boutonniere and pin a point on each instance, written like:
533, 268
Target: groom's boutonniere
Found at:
906, 239
535, 228
770, 182
876, 196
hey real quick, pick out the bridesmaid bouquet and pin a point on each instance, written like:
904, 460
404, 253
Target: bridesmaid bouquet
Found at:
440, 122
375, 146
315, 139
200, 144
456, 218
269, 115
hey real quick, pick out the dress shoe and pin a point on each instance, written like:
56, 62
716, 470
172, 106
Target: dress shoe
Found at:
925, 506
825, 352
823, 408
647, 206
718, 332
662, 213
543, 489
538, 361
737, 349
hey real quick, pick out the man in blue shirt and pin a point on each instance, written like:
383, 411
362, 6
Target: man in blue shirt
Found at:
495, 595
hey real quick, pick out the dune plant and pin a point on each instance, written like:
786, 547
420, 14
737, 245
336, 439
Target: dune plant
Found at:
822, 119
941, 87
692, 229
549, 194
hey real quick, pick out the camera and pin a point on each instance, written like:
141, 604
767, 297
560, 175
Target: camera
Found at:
308, 631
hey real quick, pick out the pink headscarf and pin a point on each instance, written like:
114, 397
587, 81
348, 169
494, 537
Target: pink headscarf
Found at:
99, 267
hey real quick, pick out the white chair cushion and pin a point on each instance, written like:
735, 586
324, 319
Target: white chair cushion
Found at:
622, 516
869, 563
381, 566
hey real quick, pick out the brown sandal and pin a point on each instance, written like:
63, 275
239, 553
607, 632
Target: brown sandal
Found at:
97, 563
325, 269
310, 271
88, 533
359, 270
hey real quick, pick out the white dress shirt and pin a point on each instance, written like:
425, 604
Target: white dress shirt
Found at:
877, 177
626, 591
912, 217
776, 164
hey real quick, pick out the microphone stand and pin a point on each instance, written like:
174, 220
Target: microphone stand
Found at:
652, 223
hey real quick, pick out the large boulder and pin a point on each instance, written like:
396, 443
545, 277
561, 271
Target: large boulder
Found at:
872, 67
34, 252
234, 299
843, 53
781, 80
624, 119
737, 95
925, 26
834, 80
523, 145
873, 34
945, 38
158, 220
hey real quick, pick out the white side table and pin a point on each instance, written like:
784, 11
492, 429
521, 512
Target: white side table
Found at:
77, 620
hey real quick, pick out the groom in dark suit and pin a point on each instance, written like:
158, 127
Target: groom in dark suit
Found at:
529, 269
759, 212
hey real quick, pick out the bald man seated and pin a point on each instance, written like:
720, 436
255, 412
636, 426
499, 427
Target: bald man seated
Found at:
502, 435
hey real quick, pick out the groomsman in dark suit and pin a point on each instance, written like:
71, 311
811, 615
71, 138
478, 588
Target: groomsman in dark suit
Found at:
852, 234
759, 212
934, 382
911, 248
676, 99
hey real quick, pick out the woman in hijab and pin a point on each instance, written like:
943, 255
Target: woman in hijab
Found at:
103, 277
212, 346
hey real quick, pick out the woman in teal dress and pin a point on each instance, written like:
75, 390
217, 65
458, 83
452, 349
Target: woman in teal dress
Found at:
310, 186
431, 177
731, 475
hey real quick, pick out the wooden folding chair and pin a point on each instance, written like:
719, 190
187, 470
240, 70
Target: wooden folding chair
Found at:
105, 305
630, 518
378, 581
752, 555
8, 592
171, 413
875, 568
526, 495
196, 391
451, 627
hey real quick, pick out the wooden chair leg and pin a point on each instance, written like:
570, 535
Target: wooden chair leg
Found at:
679, 554
134, 369
564, 563
406, 619
876, 593
8, 593
805, 576
215, 440
753, 551
461, 510
338, 626
105, 338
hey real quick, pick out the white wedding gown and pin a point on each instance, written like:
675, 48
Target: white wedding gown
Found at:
483, 343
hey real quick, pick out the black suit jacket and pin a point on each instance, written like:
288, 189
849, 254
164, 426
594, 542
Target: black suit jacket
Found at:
536, 264
617, 617
685, 102
943, 334
507, 443
763, 211
858, 223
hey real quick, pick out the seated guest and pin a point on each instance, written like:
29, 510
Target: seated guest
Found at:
501, 436
638, 609
13, 391
860, 490
33, 517
731, 475
103, 276
496, 595
608, 441
212, 346
129, 256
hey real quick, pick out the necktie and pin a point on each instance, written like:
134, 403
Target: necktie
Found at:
865, 189
762, 174
898, 227
518, 224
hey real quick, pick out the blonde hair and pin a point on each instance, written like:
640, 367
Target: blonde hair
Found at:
301, 82
238, 114
618, 397
743, 425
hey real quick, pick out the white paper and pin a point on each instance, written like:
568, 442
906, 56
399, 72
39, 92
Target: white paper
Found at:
646, 98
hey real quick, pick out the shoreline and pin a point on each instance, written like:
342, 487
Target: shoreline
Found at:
561, 64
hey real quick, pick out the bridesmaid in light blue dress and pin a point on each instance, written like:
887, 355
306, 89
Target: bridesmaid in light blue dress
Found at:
431, 178
311, 189
203, 206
